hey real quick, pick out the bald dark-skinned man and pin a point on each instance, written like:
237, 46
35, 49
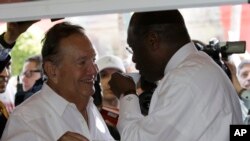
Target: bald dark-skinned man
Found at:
194, 99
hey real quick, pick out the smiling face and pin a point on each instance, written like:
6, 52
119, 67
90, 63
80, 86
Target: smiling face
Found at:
73, 77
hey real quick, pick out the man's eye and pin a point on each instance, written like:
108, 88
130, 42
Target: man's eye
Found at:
81, 62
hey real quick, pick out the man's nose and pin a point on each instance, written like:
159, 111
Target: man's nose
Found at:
93, 69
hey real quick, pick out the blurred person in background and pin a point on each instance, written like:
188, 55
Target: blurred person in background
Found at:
7, 91
31, 73
7, 42
239, 89
244, 74
107, 65
6, 106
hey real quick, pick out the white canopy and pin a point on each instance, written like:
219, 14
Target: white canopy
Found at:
38, 9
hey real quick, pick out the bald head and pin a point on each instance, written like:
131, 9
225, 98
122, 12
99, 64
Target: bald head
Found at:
168, 24
157, 17
154, 38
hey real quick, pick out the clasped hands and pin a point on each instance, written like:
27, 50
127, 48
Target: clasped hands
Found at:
122, 84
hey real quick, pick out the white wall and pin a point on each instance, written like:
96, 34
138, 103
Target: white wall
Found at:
65, 8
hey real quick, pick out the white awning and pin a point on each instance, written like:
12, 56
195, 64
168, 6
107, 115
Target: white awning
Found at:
39, 9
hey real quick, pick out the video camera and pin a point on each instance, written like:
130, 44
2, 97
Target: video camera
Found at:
219, 51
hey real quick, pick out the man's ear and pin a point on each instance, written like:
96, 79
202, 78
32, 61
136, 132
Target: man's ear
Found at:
153, 40
50, 70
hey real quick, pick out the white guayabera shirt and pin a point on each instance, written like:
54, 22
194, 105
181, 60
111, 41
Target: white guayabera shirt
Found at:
195, 101
46, 117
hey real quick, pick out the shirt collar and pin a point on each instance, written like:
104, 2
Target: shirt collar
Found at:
180, 56
57, 102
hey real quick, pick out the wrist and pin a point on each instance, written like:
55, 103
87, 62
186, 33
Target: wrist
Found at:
6, 43
9, 39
